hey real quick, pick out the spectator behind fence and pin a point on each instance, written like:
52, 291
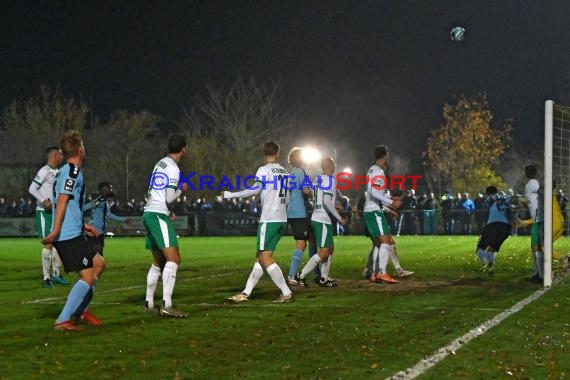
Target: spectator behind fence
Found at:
3, 207
410, 215
481, 212
468, 207
447, 202
429, 218
563, 202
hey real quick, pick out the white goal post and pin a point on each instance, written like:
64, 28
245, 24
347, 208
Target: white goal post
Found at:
556, 168
548, 157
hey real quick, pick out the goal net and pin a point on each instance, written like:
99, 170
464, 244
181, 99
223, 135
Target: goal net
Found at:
557, 168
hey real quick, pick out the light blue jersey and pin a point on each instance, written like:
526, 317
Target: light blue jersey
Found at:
296, 207
499, 211
69, 181
101, 213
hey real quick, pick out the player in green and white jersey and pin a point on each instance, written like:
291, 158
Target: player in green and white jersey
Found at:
42, 189
534, 196
324, 198
161, 237
271, 181
375, 219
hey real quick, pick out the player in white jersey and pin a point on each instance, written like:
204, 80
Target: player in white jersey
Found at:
534, 200
271, 180
324, 198
42, 189
161, 238
370, 268
375, 219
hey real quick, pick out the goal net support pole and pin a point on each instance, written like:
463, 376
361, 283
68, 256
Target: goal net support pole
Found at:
547, 221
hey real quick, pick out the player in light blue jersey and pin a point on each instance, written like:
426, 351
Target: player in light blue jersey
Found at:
496, 231
99, 215
297, 212
68, 236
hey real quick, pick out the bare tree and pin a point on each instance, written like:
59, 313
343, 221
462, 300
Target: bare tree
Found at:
32, 125
123, 151
227, 126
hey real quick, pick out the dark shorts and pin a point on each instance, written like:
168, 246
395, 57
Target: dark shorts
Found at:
494, 235
75, 254
96, 244
301, 228
366, 233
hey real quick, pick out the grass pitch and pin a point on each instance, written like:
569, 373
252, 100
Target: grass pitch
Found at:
353, 331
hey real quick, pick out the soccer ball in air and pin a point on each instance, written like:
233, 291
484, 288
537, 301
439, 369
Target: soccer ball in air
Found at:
457, 34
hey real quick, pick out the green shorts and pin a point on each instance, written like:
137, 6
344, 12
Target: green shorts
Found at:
536, 234
160, 231
43, 223
269, 234
323, 234
377, 224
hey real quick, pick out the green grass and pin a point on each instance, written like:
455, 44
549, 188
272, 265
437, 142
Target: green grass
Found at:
354, 331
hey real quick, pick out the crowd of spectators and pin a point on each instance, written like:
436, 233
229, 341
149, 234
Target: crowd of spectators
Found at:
26, 206
453, 215
459, 214
187, 205
21, 207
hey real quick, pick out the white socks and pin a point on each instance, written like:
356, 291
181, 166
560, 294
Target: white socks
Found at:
383, 256
310, 266
151, 284
277, 276
325, 267
168, 282
254, 277
394, 258
375, 258
56, 262
46, 263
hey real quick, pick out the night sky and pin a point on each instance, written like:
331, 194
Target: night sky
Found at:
361, 72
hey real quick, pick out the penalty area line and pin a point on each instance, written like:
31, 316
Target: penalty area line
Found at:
425, 364
50, 299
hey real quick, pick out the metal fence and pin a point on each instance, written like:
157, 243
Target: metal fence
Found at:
230, 223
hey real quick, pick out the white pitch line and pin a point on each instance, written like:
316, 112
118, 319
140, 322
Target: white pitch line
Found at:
48, 300
269, 304
425, 364
219, 305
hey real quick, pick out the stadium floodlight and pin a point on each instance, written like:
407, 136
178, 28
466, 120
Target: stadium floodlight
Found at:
557, 168
311, 155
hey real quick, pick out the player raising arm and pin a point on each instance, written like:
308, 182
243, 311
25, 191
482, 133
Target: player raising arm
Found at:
496, 231
271, 182
99, 215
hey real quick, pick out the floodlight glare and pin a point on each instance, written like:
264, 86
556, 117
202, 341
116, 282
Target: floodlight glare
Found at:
311, 155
